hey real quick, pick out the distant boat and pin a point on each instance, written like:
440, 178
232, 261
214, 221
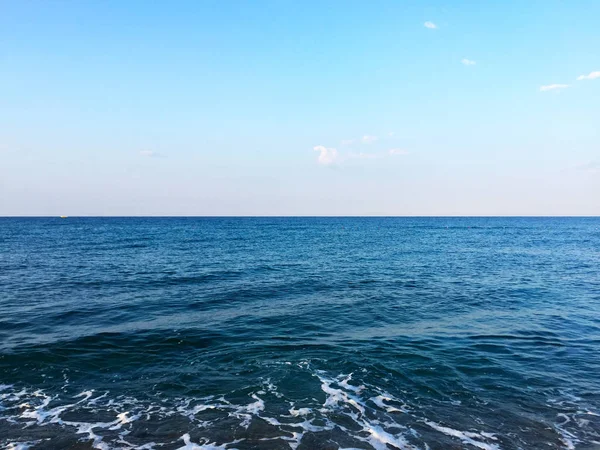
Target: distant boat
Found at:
63, 217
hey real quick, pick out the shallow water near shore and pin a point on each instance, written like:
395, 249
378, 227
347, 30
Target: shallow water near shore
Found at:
301, 333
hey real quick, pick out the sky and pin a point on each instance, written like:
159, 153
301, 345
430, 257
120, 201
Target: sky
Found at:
282, 107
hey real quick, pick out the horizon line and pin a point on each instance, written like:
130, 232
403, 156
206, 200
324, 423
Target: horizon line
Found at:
294, 216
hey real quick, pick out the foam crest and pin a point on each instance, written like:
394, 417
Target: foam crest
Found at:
189, 445
474, 439
337, 396
356, 408
379, 438
380, 400
300, 412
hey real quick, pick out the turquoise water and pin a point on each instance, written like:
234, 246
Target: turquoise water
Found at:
301, 333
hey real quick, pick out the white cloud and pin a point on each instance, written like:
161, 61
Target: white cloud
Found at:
330, 156
430, 25
327, 156
366, 139
590, 76
468, 62
553, 87
391, 133
397, 151
345, 142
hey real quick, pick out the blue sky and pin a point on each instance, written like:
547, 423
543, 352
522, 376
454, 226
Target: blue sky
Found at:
299, 108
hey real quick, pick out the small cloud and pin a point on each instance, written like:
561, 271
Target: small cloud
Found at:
149, 154
553, 87
590, 76
345, 142
327, 156
366, 139
330, 156
391, 133
468, 62
430, 25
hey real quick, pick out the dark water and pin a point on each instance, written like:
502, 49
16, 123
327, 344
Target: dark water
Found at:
307, 333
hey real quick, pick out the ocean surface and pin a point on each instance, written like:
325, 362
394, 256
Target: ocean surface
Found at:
300, 333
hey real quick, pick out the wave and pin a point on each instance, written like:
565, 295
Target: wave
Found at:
342, 410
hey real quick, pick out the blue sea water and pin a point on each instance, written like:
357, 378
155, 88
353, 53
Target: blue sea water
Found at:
301, 333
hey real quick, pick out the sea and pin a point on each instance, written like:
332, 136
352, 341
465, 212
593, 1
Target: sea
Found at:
300, 333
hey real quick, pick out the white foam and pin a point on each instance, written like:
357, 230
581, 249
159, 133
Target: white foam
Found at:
21, 445
337, 396
85, 394
466, 437
88, 428
123, 419
148, 446
273, 389
300, 412
295, 440
272, 421
95, 400
373, 411
308, 425
566, 437
344, 383
200, 408
38, 413
257, 406
189, 445
246, 412
379, 401
379, 438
